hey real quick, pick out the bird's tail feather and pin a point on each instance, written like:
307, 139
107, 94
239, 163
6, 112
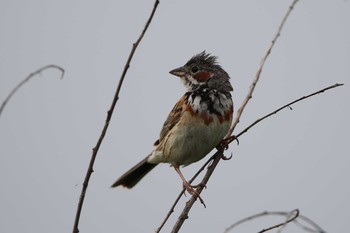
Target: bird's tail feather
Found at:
135, 174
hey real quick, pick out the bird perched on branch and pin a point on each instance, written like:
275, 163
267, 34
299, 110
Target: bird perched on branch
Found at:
197, 124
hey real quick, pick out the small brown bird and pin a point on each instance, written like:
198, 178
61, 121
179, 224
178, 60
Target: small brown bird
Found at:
197, 123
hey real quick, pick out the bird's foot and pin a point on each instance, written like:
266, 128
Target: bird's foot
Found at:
191, 190
223, 145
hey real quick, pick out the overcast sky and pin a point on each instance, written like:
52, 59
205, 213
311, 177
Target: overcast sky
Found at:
296, 159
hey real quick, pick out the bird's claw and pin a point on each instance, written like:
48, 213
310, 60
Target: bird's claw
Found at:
191, 190
223, 145
223, 157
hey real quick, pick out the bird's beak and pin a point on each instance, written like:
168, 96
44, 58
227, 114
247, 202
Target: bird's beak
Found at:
180, 72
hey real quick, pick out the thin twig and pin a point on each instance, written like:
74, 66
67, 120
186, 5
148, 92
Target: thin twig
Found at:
315, 227
288, 106
262, 214
218, 155
108, 118
246, 219
24, 81
289, 219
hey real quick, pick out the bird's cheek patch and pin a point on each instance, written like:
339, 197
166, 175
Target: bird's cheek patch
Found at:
203, 76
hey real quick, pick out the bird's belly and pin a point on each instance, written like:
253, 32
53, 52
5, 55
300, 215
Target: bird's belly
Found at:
191, 140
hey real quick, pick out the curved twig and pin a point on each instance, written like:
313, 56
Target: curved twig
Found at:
315, 228
108, 118
295, 219
24, 81
290, 218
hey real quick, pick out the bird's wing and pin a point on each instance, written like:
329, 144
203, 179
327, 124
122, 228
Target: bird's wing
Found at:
173, 118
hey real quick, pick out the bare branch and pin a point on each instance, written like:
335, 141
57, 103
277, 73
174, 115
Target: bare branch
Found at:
218, 155
315, 228
108, 118
260, 68
24, 81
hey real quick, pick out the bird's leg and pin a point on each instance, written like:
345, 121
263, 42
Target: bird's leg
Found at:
189, 188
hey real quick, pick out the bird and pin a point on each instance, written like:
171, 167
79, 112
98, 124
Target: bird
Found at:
196, 125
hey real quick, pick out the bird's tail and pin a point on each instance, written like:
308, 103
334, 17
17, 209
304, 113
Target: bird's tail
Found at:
135, 174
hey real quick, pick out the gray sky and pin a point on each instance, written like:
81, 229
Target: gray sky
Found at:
296, 159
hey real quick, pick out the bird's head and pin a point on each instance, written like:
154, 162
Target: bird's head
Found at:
202, 71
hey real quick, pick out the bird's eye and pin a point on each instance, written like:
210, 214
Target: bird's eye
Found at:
194, 69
